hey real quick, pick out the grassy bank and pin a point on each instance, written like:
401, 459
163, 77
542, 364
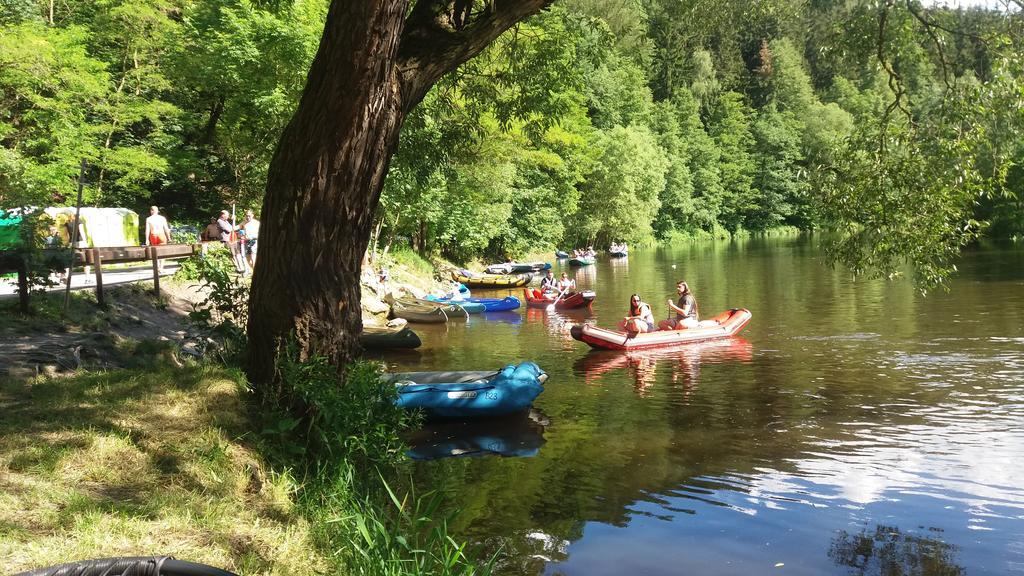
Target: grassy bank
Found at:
155, 453
143, 462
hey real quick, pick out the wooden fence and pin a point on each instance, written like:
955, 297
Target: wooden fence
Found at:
97, 258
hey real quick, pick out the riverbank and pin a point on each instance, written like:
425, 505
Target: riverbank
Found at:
120, 438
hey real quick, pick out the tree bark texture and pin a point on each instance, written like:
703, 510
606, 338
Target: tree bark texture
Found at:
376, 60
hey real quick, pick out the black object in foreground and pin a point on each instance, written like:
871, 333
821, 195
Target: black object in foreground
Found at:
130, 566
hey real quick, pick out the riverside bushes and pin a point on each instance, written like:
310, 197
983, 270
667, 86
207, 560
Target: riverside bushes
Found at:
348, 444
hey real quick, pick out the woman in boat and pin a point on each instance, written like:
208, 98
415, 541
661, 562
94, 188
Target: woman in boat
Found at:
565, 284
687, 312
640, 318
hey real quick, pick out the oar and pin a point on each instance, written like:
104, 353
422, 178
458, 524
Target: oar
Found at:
551, 306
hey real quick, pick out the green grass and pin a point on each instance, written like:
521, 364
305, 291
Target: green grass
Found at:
165, 457
139, 463
411, 262
167, 460
46, 310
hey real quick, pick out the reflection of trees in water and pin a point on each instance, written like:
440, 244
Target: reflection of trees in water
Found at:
559, 322
889, 552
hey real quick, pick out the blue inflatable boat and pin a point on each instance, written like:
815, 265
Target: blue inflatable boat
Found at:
489, 304
465, 303
470, 394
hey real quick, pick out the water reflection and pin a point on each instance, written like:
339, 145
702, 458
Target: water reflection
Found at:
863, 404
682, 363
585, 276
888, 551
558, 322
509, 317
516, 435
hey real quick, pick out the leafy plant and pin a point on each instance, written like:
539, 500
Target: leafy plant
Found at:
356, 417
225, 309
408, 535
39, 259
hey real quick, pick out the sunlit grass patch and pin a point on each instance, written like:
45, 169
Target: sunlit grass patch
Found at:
139, 463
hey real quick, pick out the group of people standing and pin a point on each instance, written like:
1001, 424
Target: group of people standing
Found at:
242, 239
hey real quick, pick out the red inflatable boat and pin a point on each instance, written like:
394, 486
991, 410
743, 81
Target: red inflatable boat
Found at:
537, 299
728, 323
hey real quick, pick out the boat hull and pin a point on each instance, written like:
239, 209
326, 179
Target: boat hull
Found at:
470, 394
474, 280
581, 261
484, 304
464, 303
537, 299
425, 312
517, 267
731, 322
374, 338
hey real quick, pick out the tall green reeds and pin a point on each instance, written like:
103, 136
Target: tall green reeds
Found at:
349, 444
396, 536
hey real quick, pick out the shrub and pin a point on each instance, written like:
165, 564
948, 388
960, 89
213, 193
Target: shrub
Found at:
356, 420
225, 309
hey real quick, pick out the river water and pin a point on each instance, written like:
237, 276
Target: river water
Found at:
855, 427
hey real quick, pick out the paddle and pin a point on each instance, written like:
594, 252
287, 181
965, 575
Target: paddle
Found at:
551, 306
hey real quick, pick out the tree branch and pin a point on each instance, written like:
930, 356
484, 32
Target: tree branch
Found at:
440, 35
929, 28
895, 80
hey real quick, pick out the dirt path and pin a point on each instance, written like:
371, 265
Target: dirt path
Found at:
98, 339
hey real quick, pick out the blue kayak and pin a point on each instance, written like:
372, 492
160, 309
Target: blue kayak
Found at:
497, 304
490, 304
465, 303
470, 394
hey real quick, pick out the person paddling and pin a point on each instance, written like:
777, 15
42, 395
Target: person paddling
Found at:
640, 318
547, 283
687, 314
565, 284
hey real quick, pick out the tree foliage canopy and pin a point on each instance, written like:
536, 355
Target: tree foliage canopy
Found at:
594, 120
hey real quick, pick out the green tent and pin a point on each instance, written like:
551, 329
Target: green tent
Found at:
10, 226
101, 226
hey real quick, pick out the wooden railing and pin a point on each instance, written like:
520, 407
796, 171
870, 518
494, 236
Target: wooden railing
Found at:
97, 258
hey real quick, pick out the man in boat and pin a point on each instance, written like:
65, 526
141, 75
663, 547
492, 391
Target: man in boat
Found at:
547, 283
686, 310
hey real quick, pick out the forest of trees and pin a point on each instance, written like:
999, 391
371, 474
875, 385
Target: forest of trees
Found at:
596, 120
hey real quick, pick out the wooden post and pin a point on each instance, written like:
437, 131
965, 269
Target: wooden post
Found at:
74, 235
98, 262
156, 270
23, 285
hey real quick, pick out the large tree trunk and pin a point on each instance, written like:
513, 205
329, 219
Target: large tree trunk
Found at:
376, 60
324, 183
